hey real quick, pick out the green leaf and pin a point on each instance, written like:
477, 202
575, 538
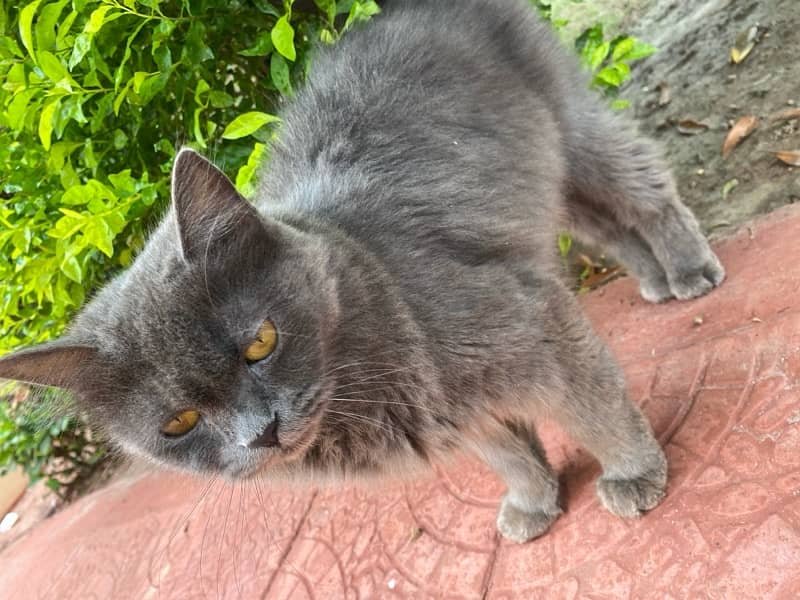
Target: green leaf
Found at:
622, 48
599, 54
195, 48
72, 269
610, 76
121, 96
18, 108
640, 50
262, 46
564, 244
198, 131
119, 139
45, 25
52, 67
97, 19
282, 36
246, 174
46, 122
247, 124
266, 7
123, 181
26, 25
362, 10
100, 236
82, 45
279, 73
219, 99
620, 104
64, 28
328, 7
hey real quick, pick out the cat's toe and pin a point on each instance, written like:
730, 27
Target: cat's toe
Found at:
698, 282
630, 498
655, 290
520, 526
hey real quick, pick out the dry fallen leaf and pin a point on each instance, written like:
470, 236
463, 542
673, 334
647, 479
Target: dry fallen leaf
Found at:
745, 42
740, 130
691, 127
601, 276
665, 96
785, 115
790, 157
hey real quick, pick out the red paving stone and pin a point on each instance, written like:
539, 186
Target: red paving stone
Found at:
722, 396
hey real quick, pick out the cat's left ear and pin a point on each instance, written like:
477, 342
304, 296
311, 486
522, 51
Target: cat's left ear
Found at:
208, 208
56, 364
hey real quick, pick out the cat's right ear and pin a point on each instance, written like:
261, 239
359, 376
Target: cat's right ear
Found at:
56, 364
207, 206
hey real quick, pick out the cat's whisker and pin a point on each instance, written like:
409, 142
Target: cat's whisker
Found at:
203, 539
180, 524
358, 364
222, 539
238, 536
363, 418
390, 384
391, 402
257, 490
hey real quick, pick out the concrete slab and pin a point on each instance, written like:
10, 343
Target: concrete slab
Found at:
718, 377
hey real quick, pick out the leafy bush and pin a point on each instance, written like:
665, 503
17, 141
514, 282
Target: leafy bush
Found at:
95, 96
60, 449
608, 59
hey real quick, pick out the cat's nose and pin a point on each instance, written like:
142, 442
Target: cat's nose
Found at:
267, 438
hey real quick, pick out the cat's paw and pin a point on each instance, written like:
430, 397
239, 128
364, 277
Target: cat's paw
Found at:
695, 282
630, 498
520, 525
655, 289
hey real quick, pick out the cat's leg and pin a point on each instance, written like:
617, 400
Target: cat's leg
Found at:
587, 397
624, 244
618, 178
530, 506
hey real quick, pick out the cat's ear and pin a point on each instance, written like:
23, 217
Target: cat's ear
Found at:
56, 364
207, 206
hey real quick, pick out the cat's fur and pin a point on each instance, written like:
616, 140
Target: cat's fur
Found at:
403, 243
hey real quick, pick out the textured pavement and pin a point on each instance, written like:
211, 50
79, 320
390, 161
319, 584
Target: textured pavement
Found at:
718, 378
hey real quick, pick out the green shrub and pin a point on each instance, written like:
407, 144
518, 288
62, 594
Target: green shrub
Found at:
95, 95
61, 449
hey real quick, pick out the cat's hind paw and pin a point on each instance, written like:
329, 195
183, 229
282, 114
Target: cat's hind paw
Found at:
521, 526
698, 282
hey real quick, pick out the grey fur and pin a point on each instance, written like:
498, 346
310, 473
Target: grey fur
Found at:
403, 242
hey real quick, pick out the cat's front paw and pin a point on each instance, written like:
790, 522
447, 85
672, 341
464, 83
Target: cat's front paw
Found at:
697, 281
520, 525
630, 498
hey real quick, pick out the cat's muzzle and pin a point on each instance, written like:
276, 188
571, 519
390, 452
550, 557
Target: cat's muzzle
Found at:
267, 438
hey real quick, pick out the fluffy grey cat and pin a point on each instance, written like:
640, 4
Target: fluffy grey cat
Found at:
394, 293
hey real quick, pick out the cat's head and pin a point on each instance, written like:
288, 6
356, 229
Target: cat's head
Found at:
209, 352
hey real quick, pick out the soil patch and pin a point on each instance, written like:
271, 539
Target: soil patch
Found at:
704, 85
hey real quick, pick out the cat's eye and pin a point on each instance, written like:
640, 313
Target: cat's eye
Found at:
264, 344
181, 424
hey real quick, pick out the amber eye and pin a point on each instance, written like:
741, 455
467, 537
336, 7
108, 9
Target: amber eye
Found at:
181, 424
264, 344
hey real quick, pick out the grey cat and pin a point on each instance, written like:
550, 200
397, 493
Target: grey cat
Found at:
394, 293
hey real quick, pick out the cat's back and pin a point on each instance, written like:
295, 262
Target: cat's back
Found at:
432, 128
